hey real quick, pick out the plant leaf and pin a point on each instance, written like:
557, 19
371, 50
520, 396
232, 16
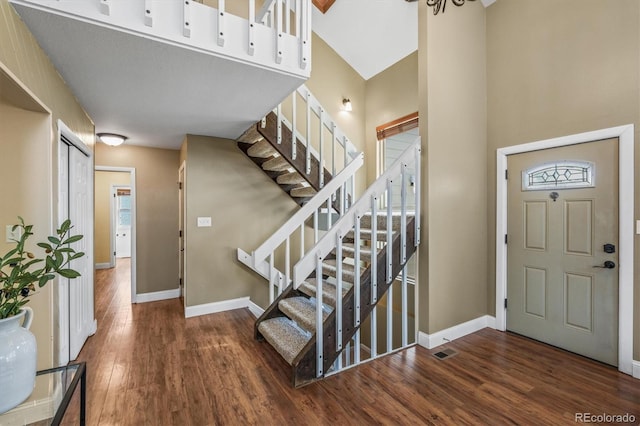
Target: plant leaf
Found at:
69, 273
72, 239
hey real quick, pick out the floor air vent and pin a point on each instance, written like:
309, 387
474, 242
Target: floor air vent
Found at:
444, 354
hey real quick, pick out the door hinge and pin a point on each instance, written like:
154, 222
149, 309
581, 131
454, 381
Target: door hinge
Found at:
506, 238
114, 253
506, 174
505, 303
180, 281
180, 233
179, 185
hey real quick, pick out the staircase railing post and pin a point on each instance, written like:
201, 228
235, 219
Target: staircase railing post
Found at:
252, 23
321, 149
374, 249
390, 316
389, 246
279, 124
308, 163
339, 292
186, 18
294, 124
221, 13
418, 185
148, 13
279, 31
319, 320
405, 314
403, 214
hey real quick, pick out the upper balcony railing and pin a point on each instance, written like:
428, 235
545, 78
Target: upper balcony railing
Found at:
274, 34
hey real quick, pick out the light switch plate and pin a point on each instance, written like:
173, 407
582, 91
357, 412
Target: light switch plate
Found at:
13, 236
204, 222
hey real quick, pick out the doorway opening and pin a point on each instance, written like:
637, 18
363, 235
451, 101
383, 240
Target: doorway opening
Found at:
116, 220
625, 137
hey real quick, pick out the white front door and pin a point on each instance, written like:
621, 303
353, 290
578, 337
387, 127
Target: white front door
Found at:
562, 251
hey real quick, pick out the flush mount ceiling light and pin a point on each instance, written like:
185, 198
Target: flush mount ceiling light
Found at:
346, 105
112, 139
441, 4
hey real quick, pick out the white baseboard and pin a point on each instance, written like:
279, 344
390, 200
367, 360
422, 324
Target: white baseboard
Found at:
636, 369
103, 265
158, 295
450, 334
212, 308
255, 309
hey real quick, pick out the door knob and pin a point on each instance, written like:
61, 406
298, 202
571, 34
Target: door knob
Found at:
608, 264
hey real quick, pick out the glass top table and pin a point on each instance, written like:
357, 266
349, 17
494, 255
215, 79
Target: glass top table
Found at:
50, 398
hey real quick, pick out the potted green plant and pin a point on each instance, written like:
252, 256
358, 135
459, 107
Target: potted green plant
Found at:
21, 274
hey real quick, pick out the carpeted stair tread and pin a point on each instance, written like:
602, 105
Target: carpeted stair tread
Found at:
349, 250
251, 135
396, 218
285, 336
277, 164
308, 287
261, 149
303, 192
329, 267
302, 311
366, 234
292, 178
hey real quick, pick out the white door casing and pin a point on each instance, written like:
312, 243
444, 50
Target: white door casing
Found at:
182, 246
625, 135
132, 185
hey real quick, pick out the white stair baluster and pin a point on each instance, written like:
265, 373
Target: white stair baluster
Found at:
319, 323
321, 159
389, 244
405, 313
251, 48
339, 292
279, 125
374, 249
294, 129
417, 197
390, 318
148, 13
403, 215
186, 22
279, 31
221, 12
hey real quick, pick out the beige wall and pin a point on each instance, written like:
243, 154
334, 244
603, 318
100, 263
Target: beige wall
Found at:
23, 58
245, 207
391, 94
156, 211
574, 70
102, 196
453, 260
333, 79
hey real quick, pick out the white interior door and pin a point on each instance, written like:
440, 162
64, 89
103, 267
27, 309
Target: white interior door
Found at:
563, 246
75, 202
123, 222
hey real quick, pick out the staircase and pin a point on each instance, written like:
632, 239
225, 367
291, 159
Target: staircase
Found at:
321, 296
289, 324
293, 162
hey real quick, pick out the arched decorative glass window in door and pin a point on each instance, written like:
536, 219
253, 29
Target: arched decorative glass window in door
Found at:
568, 174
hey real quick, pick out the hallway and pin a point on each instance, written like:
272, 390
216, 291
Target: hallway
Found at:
148, 365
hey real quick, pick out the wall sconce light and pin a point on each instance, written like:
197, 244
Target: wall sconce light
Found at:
111, 139
346, 105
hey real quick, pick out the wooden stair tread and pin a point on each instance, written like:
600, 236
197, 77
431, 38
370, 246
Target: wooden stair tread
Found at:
285, 336
308, 287
277, 164
302, 311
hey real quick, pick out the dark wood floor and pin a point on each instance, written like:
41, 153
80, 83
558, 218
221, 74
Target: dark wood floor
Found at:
147, 365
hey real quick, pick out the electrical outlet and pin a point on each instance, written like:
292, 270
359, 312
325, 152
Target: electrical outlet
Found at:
13, 236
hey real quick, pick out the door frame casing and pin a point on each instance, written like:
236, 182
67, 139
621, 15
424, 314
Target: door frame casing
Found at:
182, 215
625, 136
134, 227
